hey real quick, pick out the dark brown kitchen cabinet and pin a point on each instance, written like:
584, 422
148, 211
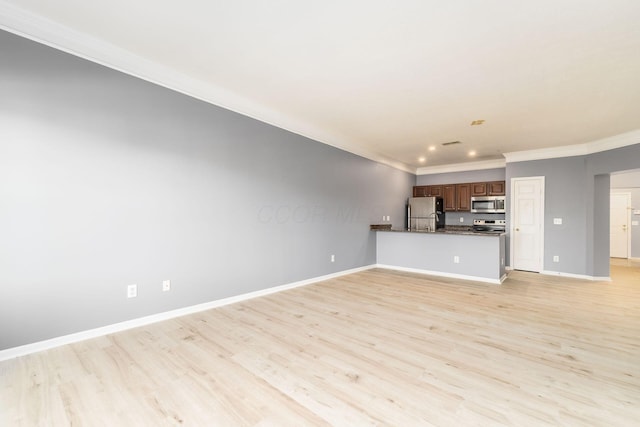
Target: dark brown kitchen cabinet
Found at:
435, 190
478, 189
420, 191
463, 197
427, 191
449, 195
495, 188
457, 197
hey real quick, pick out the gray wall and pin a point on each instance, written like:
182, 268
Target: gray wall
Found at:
453, 218
107, 180
598, 230
564, 198
480, 256
577, 189
599, 164
630, 183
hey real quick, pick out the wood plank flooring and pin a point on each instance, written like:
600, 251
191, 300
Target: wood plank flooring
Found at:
374, 348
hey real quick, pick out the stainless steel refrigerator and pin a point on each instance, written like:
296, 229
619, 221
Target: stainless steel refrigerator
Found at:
425, 213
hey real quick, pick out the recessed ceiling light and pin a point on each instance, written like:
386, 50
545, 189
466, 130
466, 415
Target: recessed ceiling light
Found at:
472, 153
422, 159
432, 148
477, 122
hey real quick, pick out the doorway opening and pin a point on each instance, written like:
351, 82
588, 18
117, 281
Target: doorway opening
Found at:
624, 220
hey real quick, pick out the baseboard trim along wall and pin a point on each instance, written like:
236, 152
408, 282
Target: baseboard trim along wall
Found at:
571, 275
576, 276
442, 274
36, 347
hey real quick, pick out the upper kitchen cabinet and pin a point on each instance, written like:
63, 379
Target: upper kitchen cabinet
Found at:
449, 194
457, 197
478, 189
463, 197
434, 190
427, 191
493, 188
420, 191
496, 188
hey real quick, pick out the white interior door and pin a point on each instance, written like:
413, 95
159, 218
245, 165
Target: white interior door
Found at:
527, 223
619, 225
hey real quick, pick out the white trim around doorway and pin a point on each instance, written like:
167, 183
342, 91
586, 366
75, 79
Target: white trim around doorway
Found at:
511, 217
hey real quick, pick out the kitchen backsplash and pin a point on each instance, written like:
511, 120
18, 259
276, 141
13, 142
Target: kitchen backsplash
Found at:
453, 218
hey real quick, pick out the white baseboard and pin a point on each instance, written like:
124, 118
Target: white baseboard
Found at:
442, 274
23, 350
571, 275
576, 276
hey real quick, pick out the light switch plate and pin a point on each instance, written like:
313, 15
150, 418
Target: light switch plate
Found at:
634, 222
636, 212
557, 221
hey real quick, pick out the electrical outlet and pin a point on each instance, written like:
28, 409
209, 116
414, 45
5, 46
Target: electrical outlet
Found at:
132, 291
456, 259
333, 258
166, 285
556, 258
557, 221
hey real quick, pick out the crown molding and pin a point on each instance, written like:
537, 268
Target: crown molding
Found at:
546, 153
617, 141
605, 144
42, 30
45, 31
462, 167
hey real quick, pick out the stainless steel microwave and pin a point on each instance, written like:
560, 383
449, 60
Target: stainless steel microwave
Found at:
487, 204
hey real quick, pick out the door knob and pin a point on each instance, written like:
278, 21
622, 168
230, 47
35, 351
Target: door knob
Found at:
517, 229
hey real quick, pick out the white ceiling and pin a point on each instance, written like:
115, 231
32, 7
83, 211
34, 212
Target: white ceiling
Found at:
385, 79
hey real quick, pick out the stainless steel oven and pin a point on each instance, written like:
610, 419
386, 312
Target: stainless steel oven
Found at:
489, 225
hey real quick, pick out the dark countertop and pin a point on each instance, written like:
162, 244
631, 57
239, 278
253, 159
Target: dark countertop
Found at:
457, 230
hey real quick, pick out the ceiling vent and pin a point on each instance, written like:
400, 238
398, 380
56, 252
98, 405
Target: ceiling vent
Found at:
451, 143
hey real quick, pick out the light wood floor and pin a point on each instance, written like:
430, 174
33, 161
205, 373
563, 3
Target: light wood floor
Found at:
373, 348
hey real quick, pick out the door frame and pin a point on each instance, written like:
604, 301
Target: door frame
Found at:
628, 194
512, 203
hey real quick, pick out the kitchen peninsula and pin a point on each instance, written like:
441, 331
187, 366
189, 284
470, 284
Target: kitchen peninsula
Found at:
462, 254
